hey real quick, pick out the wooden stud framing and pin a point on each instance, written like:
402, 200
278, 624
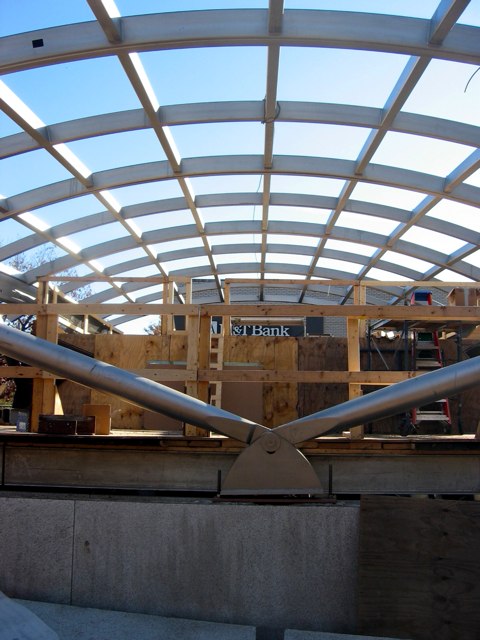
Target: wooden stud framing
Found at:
198, 373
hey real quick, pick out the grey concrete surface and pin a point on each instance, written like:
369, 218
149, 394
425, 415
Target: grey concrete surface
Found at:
19, 623
320, 635
75, 623
275, 566
36, 541
260, 565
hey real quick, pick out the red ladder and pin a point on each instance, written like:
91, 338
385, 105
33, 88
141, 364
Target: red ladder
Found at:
427, 356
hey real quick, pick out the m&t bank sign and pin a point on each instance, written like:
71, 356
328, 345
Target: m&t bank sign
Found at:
269, 331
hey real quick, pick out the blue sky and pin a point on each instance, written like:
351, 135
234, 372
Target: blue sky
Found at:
80, 89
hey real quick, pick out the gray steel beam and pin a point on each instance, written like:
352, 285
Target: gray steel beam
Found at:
246, 111
247, 164
388, 401
344, 30
445, 17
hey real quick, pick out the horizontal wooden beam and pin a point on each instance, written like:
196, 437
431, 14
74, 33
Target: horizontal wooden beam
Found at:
430, 313
256, 375
24, 372
353, 283
239, 375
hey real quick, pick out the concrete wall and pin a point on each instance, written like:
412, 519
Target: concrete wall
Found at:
272, 566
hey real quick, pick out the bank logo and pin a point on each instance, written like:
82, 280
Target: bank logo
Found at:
260, 330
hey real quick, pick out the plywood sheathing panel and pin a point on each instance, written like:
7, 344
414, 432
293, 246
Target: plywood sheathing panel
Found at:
327, 353
126, 352
279, 400
321, 354
73, 395
419, 562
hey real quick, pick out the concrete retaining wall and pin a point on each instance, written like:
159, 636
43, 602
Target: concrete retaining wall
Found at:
272, 566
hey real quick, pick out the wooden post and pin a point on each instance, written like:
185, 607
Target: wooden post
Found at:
353, 345
188, 300
170, 300
226, 320
163, 321
360, 297
44, 390
198, 356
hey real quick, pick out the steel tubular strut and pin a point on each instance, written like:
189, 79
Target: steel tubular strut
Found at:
271, 463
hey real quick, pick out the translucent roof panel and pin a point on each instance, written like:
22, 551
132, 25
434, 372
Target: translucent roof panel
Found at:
300, 139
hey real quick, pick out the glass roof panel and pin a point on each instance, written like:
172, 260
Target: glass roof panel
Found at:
288, 258
218, 214
147, 192
46, 89
473, 258
110, 231
474, 179
119, 150
423, 9
471, 15
234, 238
25, 172
121, 256
8, 126
40, 15
456, 213
59, 212
451, 276
390, 196
11, 231
235, 138
167, 6
301, 184
329, 141
187, 263
438, 241
367, 78
164, 220
366, 223
299, 214
407, 261
458, 103
305, 241
341, 265
236, 258
350, 247
381, 274
418, 153
227, 184
236, 74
